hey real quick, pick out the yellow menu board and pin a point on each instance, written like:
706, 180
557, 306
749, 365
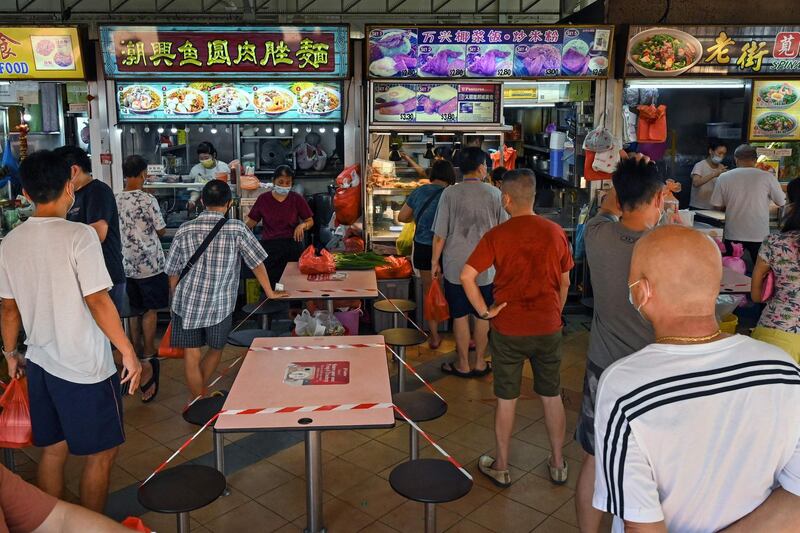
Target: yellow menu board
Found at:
40, 53
775, 114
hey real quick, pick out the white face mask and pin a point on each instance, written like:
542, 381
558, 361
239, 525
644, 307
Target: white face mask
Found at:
716, 159
630, 298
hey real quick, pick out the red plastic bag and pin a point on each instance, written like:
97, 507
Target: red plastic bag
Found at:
435, 305
395, 268
589, 173
311, 263
135, 523
165, 349
347, 205
354, 244
15, 420
351, 176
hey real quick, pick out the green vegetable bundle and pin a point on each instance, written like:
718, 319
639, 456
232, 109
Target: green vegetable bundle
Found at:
358, 261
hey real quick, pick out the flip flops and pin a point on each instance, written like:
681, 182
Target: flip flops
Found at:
156, 364
480, 373
449, 368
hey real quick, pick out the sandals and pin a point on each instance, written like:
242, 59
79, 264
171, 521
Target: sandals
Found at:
558, 475
501, 478
153, 381
486, 371
434, 345
449, 368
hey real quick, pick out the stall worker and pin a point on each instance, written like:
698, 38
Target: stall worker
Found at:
705, 174
285, 217
207, 168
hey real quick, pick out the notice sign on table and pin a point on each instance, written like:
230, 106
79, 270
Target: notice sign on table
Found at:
776, 111
489, 52
301, 373
28, 53
459, 103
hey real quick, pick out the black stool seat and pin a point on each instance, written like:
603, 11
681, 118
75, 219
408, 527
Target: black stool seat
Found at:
270, 307
429, 481
419, 406
202, 410
244, 338
404, 306
402, 337
182, 489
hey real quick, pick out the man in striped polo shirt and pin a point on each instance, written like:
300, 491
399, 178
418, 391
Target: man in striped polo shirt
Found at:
701, 430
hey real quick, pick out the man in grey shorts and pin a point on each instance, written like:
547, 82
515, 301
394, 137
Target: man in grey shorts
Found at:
628, 211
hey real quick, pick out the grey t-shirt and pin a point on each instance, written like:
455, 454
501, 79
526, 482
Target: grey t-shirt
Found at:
466, 212
618, 329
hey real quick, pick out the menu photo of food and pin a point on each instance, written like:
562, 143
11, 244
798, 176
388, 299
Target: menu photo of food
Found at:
53, 52
393, 53
317, 99
664, 52
273, 100
490, 60
395, 102
138, 99
537, 60
438, 103
441, 60
776, 111
184, 101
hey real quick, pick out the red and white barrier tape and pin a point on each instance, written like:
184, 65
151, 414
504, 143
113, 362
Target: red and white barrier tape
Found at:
315, 347
333, 291
216, 380
411, 369
307, 409
403, 313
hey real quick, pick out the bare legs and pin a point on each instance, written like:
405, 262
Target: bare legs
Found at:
462, 335
589, 518
433, 325
554, 420
199, 369
94, 480
503, 427
149, 323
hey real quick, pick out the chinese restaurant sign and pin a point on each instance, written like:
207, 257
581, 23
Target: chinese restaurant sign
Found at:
489, 52
744, 51
456, 103
776, 111
28, 53
229, 102
170, 52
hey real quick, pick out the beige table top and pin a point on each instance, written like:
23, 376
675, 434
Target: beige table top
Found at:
733, 282
712, 213
260, 384
358, 284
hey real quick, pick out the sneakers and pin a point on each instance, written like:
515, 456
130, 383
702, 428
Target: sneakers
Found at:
558, 475
501, 478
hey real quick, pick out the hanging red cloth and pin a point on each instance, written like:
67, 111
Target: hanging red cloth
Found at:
652, 127
505, 157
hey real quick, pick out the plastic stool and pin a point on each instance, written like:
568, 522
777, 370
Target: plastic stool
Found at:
244, 337
267, 310
429, 481
419, 406
396, 308
201, 412
180, 490
400, 339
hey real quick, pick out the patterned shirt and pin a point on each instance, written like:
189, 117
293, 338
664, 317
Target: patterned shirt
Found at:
207, 294
781, 251
139, 220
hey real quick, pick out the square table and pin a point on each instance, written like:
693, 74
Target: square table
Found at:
358, 285
734, 282
261, 384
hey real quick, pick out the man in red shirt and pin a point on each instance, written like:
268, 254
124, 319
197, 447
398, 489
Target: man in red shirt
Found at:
532, 259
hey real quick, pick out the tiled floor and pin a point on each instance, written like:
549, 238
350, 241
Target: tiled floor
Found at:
267, 489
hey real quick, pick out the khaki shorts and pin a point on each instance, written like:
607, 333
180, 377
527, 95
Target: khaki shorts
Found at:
509, 355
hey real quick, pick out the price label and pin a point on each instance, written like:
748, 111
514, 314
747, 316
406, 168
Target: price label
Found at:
404, 73
504, 72
449, 117
408, 117
454, 72
552, 72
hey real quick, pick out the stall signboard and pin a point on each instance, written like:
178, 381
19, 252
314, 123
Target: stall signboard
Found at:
182, 52
775, 112
422, 103
28, 53
506, 52
741, 51
203, 101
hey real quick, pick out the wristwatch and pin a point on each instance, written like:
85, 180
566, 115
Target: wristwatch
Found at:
485, 315
12, 353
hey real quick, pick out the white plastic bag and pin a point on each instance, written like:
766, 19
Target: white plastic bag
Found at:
330, 323
306, 325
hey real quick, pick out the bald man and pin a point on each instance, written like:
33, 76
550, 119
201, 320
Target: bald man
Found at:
701, 430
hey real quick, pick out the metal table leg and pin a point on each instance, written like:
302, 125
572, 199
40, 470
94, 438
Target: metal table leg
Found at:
395, 320
183, 523
401, 369
219, 456
430, 518
314, 482
413, 442
329, 306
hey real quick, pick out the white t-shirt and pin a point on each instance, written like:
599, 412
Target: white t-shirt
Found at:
202, 174
48, 265
701, 196
696, 435
139, 221
745, 193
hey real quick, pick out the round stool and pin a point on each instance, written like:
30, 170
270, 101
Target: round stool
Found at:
180, 490
429, 481
244, 337
396, 308
419, 406
266, 310
399, 339
198, 414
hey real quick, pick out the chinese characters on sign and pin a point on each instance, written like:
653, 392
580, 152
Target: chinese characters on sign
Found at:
39, 53
180, 52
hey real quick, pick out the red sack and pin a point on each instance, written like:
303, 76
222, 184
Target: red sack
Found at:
165, 349
395, 268
311, 263
354, 244
589, 173
347, 205
135, 523
349, 176
15, 420
435, 304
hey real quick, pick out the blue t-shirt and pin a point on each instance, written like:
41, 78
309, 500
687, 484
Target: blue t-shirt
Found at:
417, 200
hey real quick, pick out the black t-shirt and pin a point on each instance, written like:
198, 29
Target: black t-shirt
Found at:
95, 202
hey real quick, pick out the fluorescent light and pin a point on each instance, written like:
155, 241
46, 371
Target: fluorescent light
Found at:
529, 83
687, 84
521, 104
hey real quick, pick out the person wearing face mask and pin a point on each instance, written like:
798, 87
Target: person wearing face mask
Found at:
206, 169
628, 211
532, 259
705, 174
285, 217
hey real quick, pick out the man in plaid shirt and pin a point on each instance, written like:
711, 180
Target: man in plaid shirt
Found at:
204, 300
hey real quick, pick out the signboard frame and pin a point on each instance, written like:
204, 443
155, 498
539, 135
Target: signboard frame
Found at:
11, 45
778, 114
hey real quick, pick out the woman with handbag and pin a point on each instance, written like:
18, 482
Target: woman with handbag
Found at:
778, 265
420, 207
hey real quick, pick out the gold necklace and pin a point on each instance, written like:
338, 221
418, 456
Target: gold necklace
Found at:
661, 340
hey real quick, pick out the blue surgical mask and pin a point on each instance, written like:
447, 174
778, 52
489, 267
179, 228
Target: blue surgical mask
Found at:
281, 191
717, 159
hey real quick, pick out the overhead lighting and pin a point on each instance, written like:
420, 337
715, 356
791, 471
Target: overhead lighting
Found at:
173, 130
295, 129
132, 130
322, 130
281, 130
335, 129
227, 129
266, 130
26, 116
428, 151
186, 129
147, 129
213, 130
160, 129
534, 83
200, 129
308, 129
394, 152
687, 84
522, 104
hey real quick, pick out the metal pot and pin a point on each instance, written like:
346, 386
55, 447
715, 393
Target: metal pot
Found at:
543, 165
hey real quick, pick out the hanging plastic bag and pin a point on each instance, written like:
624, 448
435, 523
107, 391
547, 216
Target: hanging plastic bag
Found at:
15, 419
354, 244
165, 349
306, 325
349, 319
599, 140
311, 263
589, 173
395, 268
330, 324
435, 304
135, 523
735, 261
405, 241
349, 177
249, 183
347, 205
